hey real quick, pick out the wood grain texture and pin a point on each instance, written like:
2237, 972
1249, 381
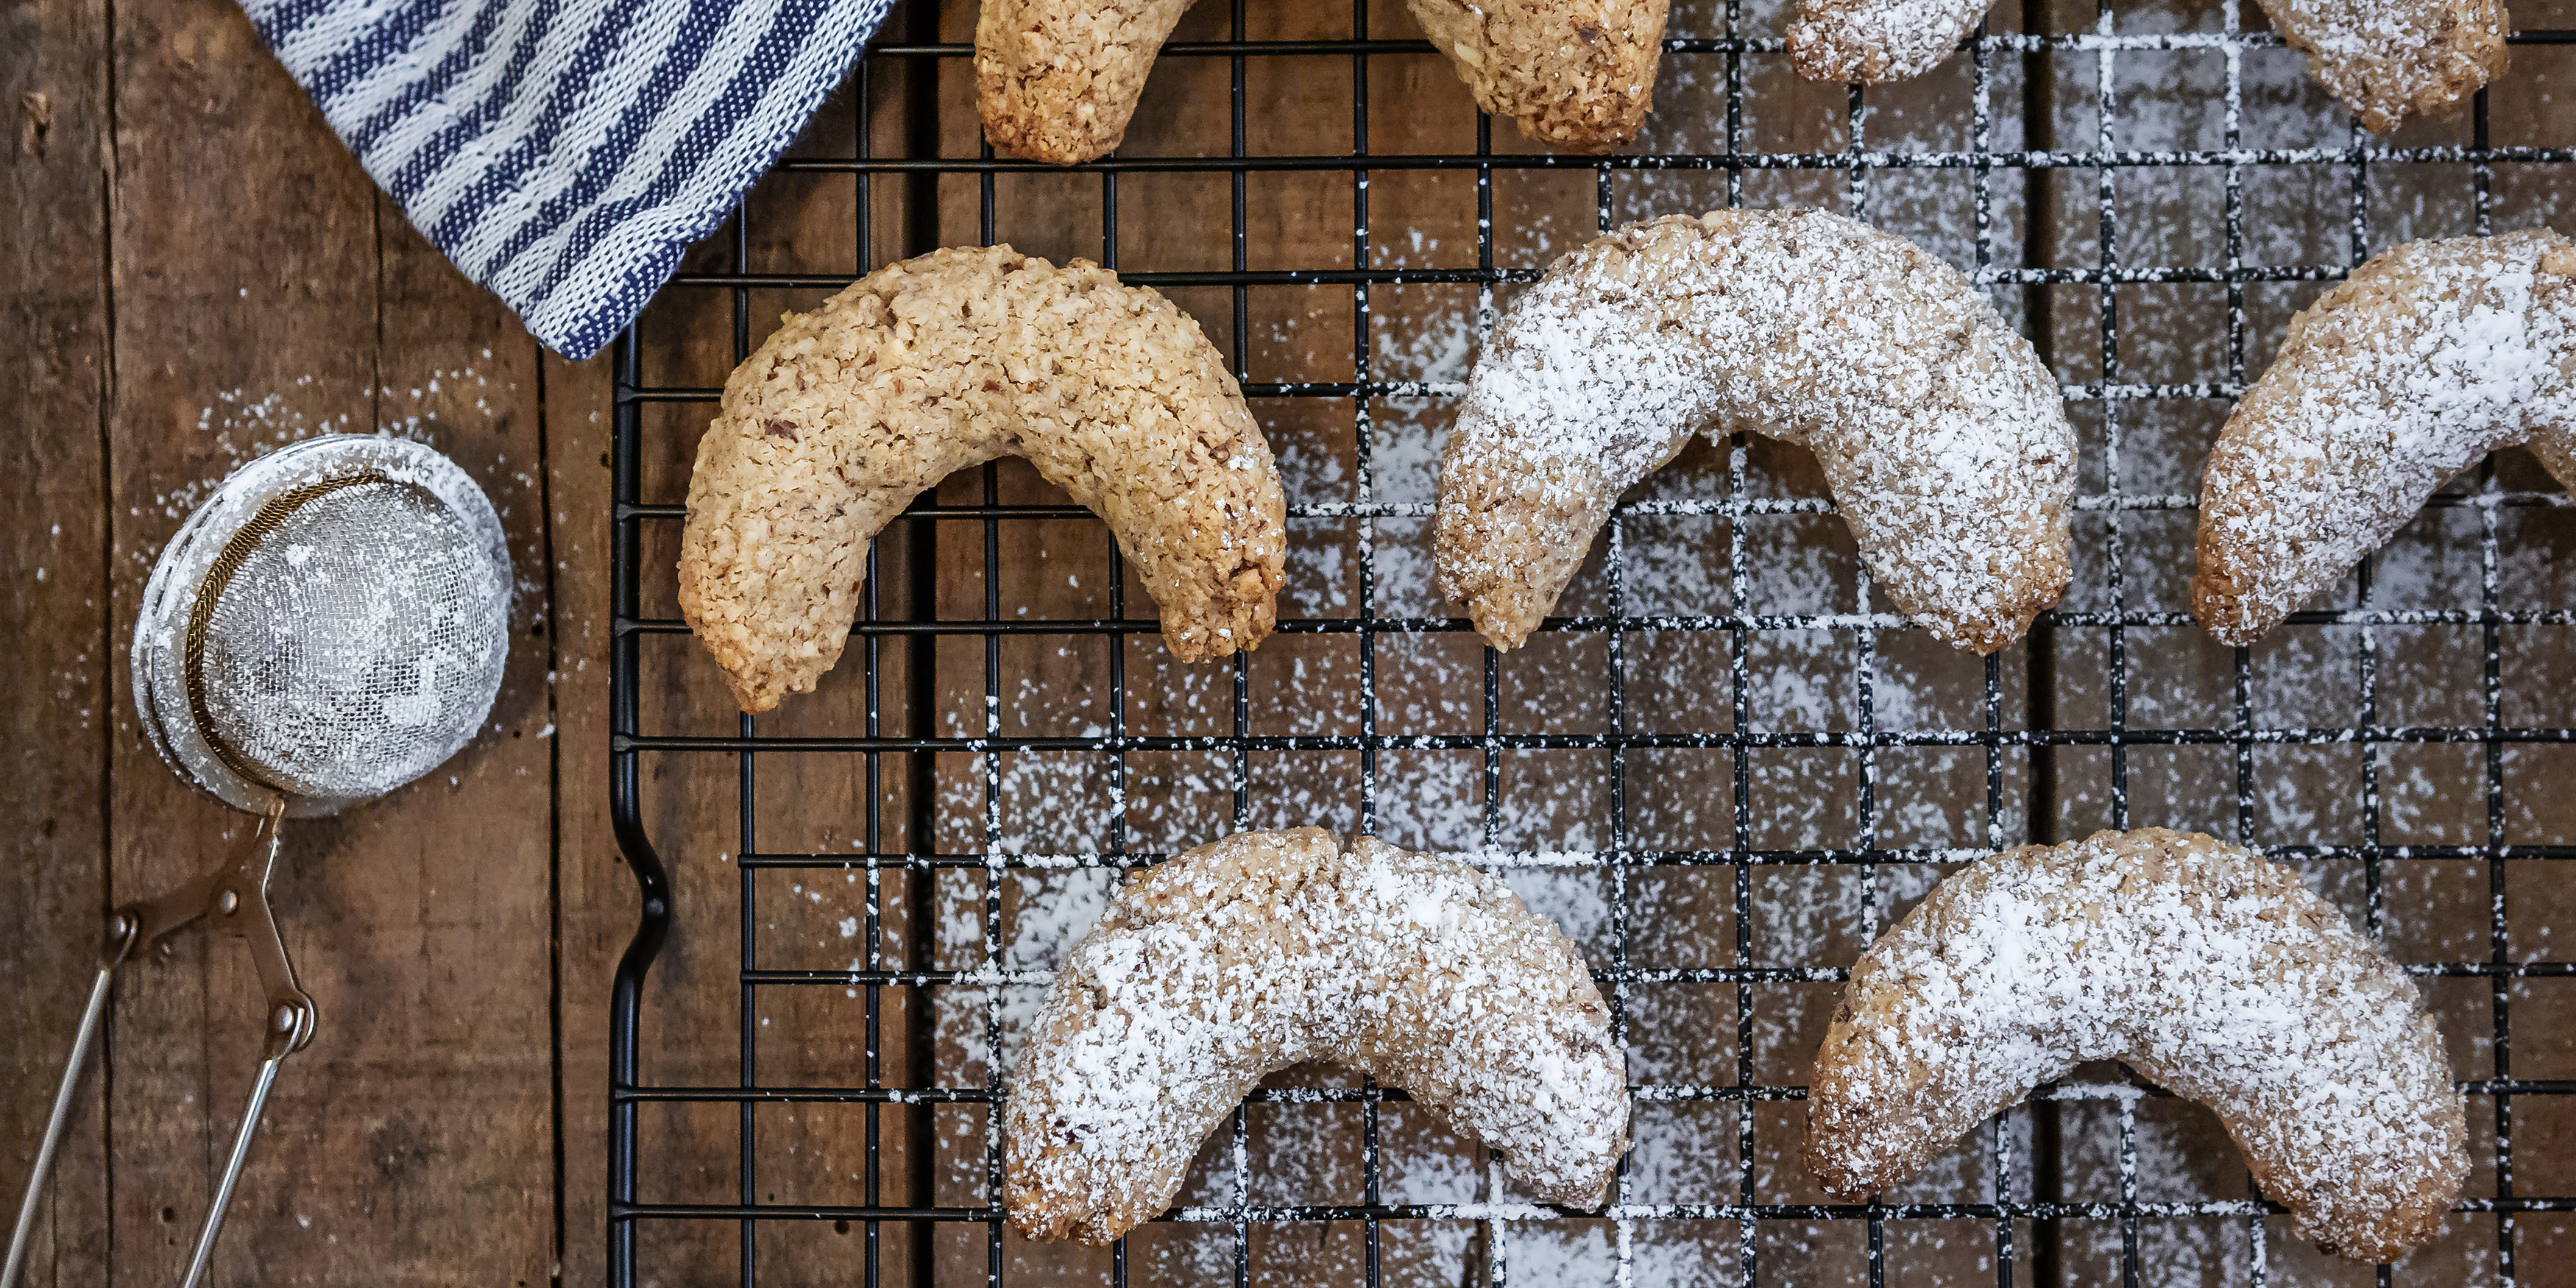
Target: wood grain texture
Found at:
53, 539
596, 903
192, 281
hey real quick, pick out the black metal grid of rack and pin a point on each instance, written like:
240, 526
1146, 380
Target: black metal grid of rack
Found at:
2021, 1252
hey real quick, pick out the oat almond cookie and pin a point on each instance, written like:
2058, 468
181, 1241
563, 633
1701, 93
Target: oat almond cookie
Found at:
1057, 80
2207, 969
949, 360
2429, 357
1940, 432
1269, 949
2384, 59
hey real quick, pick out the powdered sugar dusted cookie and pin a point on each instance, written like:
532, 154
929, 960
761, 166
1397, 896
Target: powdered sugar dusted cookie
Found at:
1940, 432
2209, 970
1876, 41
2432, 355
2384, 59
1057, 80
931, 365
2389, 59
1269, 949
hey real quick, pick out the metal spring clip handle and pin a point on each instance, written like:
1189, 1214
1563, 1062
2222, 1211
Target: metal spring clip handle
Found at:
234, 897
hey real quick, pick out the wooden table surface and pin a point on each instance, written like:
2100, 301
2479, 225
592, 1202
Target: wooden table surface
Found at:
195, 270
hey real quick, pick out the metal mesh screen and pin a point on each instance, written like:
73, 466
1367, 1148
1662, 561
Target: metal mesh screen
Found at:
357, 642
1721, 767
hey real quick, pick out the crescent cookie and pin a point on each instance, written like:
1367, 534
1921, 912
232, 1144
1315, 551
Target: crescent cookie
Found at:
1940, 432
2209, 970
2384, 59
1269, 949
949, 360
2429, 357
1057, 80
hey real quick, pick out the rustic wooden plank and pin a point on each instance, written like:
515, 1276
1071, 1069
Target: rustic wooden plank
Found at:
595, 895
53, 615
467, 930
265, 294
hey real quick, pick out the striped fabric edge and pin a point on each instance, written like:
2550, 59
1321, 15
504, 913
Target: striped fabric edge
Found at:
565, 153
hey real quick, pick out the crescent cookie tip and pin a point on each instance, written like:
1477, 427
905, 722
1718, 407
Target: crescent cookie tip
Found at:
1014, 136
1818, 53
1586, 134
2391, 60
1874, 42
2428, 357
2226, 616
1502, 624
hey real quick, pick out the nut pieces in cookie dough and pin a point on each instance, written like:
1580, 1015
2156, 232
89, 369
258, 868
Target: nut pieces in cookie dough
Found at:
949, 360
1058, 80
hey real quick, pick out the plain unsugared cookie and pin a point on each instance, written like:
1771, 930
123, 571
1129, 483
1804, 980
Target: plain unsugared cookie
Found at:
2384, 59
2429, 357
1269, 949
2207, 969
949, 360
1941, 433
1057, 80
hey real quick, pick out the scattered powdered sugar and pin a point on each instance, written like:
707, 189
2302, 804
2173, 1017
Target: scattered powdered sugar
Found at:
1271, 949
2433, 355
2213, 972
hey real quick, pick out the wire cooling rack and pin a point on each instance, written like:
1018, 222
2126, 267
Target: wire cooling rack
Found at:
2393, 743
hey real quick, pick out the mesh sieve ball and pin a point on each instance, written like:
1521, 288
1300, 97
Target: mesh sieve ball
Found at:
330, 627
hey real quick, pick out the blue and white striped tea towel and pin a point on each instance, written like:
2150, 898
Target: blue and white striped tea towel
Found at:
565, 152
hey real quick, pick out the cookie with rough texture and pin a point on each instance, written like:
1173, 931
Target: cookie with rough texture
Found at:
1876, 41
2429, 357
949, 360
1270, 949
1940, 432
2384, 59
2207, 969
2388, 59
1576, 73
1057, 80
